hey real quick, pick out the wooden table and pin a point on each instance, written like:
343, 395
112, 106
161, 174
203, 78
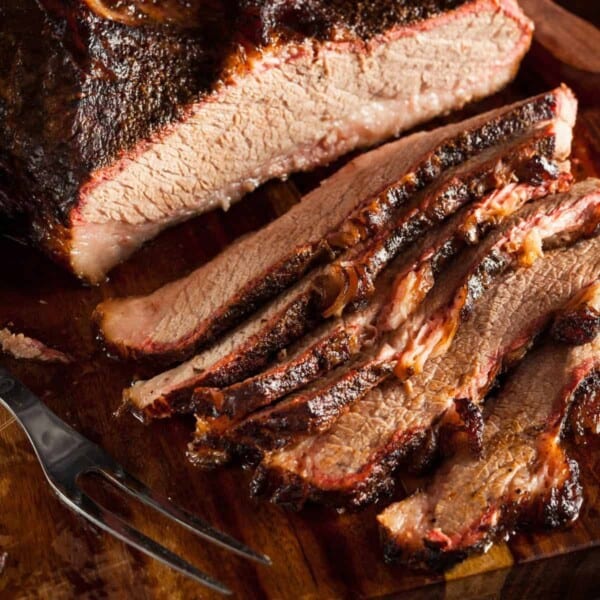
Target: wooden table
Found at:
48, 552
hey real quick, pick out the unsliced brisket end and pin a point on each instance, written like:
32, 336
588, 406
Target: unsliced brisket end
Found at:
523, 477
162, 119
351, 464
560, 219
579, 322
183, 315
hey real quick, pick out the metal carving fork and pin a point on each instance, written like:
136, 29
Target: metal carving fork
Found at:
65, 455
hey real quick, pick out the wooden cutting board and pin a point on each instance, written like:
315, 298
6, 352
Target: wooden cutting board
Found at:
47, 552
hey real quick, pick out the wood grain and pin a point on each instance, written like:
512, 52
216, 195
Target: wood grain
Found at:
572, 40
48, 552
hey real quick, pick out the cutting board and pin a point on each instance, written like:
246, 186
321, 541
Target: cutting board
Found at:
48, 552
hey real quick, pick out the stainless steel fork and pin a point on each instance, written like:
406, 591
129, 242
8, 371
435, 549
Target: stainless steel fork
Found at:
65, 455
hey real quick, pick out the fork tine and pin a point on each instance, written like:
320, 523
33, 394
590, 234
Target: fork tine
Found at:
137, 489
114, 525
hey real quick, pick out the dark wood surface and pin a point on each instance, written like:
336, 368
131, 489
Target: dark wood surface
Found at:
48, 552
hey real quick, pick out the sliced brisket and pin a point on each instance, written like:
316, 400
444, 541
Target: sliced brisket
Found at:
431, 329
117, 127
362, 198
351, 278
332, 344
523, 477
248, 348
427, 261
235, 356
310, 362
351, 464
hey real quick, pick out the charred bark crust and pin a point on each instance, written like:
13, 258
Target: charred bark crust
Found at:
559, 506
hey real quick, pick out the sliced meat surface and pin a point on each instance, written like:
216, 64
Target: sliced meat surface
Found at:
523, 477
330, 345
123, 126
350, 279
431, 329
550, 221
358, 200
352, 463
415, 279
429, 259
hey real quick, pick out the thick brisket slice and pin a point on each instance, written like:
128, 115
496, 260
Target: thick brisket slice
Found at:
352, 463
187, 313
116, 128
523, 477
240, 353
579, 322
430, 330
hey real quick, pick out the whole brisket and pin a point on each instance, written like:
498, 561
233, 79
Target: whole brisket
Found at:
120, 119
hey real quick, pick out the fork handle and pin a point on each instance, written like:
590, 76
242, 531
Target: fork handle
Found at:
49, 435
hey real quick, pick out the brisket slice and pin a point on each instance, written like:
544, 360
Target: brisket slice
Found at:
523, 478
359, 199
548, 222
351, 278
579, 322
292, 314
117, 127
353, 462
430, 330
428, 260
332, 344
